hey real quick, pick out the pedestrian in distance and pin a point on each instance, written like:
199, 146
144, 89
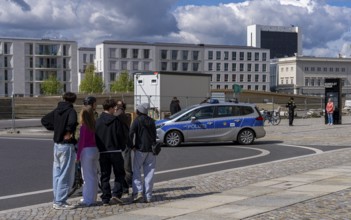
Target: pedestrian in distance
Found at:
63, 121
127, 153
291, 110
330, 111
88, 156
143, 132
111, 139
174, 107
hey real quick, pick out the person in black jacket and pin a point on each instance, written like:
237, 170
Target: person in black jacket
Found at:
63, 121
291, 110
174, 107
111, 139
143, 132
127, 153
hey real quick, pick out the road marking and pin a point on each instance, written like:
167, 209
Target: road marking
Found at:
263, 153
25, 194
34, 139
317, 151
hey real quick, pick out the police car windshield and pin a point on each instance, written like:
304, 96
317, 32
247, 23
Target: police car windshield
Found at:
181, 112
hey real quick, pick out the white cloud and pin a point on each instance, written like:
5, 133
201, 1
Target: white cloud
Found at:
326, 29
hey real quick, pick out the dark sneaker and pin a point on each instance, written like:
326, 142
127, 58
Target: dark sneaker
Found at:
64, 206
138, 198
116, 200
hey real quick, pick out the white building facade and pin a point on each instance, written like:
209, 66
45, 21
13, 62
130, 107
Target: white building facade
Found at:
86, 56
228, 65
26, 63
305, 75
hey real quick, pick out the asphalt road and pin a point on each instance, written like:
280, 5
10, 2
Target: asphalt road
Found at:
26, 164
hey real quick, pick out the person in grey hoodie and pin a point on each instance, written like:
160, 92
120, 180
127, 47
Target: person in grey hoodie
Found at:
143, 132
111, 139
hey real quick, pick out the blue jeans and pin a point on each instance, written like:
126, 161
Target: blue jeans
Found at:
330, 118
147, 161
63, 171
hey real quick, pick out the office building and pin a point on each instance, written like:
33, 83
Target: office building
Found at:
281, 41
26, 63
305, 75
228, 65
86, 56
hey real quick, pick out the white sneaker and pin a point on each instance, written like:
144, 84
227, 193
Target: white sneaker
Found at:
64, 206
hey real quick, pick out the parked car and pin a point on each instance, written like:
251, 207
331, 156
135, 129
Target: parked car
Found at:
212, 122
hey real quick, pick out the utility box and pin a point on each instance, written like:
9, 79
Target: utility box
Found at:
159, 88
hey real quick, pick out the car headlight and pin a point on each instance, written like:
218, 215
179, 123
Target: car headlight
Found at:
160, 125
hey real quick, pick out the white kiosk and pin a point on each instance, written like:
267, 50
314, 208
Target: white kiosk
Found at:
159, 87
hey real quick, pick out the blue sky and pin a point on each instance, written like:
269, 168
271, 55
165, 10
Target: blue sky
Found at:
325, 24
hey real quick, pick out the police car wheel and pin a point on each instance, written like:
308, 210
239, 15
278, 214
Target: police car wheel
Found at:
173, 138
246, 136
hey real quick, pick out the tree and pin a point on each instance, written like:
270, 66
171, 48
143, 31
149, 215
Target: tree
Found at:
123, 84
51, 86
92, 83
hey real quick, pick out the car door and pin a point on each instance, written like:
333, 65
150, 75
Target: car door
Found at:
227, 122
200, 127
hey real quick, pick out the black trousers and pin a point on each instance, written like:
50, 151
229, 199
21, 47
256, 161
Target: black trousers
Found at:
291, 117
109, 161
127, 156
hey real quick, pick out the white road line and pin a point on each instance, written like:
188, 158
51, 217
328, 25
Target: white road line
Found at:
317, 151
35, 139
25, 194
263, 153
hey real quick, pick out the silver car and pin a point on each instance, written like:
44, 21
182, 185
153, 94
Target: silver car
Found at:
208, 122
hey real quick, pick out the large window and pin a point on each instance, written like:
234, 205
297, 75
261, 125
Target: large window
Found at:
210, 55
218, 55
210, 66
218, 66
124, 52
135, 53
174, 54
249, 54
226, 55
146, 53
195, 55
218, 77
241, 55
185, 54
174, 66
163, 54
233, 55
233, 67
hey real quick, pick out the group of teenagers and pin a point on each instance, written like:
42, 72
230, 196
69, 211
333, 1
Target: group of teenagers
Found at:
102, 142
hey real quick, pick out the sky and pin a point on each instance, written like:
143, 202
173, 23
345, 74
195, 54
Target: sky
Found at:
325, 24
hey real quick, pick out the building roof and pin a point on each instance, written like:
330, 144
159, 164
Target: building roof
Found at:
171, 73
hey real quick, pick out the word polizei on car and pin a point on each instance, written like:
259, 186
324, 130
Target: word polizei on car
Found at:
207, 122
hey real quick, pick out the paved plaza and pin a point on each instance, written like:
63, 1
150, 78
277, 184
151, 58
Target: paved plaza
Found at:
316, 186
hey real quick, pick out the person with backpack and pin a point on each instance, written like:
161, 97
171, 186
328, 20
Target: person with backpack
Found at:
143, 132
63, 121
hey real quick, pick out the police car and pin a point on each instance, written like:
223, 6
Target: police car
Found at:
212, 122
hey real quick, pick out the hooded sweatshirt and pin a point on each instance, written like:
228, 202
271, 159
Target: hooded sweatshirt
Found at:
61, 120
109, 134
143, 132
